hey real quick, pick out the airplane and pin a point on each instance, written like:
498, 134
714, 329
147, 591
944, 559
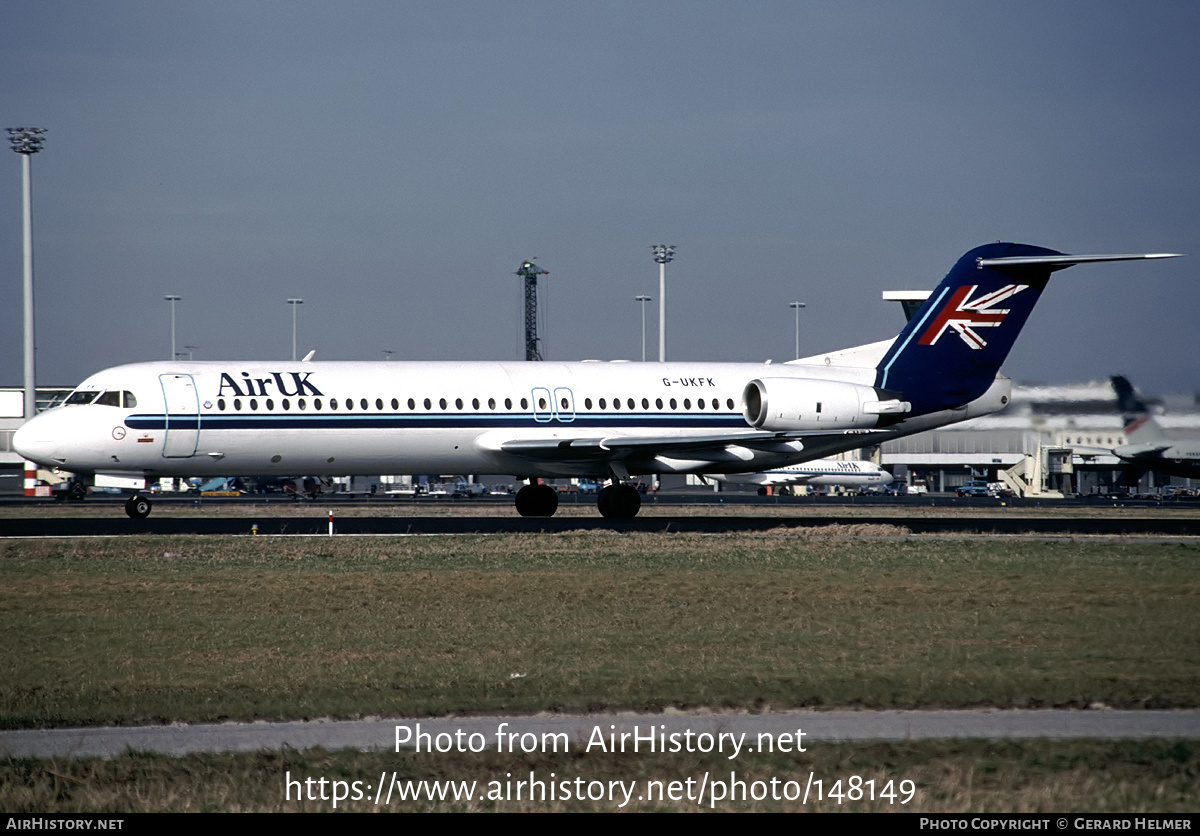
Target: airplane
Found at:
1149, 449
822, 472
587, 419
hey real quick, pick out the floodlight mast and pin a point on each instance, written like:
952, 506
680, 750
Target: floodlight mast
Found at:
663, 254
27, 142
173, 298
643, 299
294, 302
796, 306
530, 271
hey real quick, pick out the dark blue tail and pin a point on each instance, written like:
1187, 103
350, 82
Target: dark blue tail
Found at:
951, 350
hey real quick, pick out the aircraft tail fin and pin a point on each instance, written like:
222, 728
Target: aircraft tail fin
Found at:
951, 350
1139, 424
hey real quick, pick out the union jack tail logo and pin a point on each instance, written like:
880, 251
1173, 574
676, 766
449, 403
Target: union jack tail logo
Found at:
964, 315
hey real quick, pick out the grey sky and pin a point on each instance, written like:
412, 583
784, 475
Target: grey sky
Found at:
393, 162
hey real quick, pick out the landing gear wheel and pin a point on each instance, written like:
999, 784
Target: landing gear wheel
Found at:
762, 491
619, 502
537, 501
138, 507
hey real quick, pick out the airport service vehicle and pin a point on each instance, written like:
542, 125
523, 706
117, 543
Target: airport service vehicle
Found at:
591, 420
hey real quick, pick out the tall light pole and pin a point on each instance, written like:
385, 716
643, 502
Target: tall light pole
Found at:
294, 303
643, 300
172, 298
797, 306
27, 142
663, 254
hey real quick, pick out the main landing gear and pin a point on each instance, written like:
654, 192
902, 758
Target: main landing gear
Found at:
138, 507
537, 501
616, 502
619, 502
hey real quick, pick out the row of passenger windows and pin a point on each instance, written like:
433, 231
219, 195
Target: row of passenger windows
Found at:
349, 404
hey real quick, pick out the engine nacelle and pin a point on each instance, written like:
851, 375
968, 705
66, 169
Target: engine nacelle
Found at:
783, 403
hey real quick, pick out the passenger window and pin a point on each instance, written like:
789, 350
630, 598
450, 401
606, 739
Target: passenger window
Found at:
458, 403
428, 404
316, 403
508, 403
699, 403
221, 404
674, 405
349, 403
237, 404
442, 403
687, 403
729, 403
363, 403
603, 404
630, 402
270, 404
301, 404
412, 404
395, 405
587, 403
254, 403
645, 403
616, 403
333, 403
285, 403
475, 403
541, 403
491, 403
524, 403
658, 403
379, 404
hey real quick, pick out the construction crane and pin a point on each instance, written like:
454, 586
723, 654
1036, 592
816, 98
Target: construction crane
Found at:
530, 272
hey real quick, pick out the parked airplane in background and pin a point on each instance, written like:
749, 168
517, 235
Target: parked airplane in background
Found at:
541, 419
820, 473
1149, 449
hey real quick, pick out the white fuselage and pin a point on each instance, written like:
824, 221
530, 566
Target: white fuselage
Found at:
338, 418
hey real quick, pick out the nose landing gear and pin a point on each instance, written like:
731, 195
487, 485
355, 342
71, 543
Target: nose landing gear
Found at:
138, 507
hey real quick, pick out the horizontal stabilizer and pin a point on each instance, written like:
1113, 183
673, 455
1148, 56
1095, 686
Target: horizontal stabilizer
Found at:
1062, 261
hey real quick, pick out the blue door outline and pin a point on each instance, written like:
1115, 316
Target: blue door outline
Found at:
181, 409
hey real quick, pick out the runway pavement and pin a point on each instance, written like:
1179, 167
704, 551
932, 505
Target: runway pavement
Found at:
111, 522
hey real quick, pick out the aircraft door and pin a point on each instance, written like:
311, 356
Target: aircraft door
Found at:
182, 403
564, 404
543, 407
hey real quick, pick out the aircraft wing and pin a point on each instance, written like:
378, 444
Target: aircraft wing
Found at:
601, 447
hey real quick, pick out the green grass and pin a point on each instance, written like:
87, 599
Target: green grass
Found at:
152, 629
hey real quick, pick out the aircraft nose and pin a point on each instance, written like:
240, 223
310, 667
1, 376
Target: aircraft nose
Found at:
37, 441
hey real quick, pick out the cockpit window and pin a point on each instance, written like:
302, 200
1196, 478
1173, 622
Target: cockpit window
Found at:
109, 398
